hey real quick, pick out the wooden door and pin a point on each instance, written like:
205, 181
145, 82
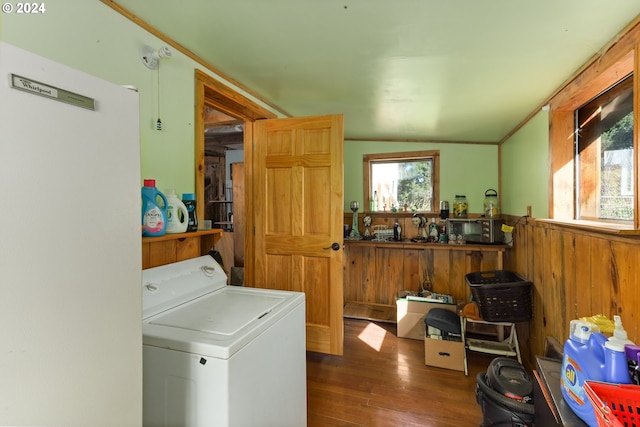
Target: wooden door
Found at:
298, 212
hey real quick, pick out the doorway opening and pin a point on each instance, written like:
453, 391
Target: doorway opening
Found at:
223, 145
223, 129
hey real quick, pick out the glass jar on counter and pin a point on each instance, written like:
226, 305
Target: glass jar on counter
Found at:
460, 206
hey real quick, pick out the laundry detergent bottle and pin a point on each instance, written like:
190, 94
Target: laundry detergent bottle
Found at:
189, 200
154, 210
583, 360
177, 214
615, 359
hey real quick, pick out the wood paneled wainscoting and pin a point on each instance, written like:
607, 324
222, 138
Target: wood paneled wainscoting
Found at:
577, 271
375, 272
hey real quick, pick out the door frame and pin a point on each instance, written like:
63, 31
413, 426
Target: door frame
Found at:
209, 91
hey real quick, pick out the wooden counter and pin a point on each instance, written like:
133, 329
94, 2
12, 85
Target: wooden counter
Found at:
170, 248
408, 244
374, 272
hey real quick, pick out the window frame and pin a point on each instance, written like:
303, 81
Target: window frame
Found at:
588, 198
615, 62
433, 155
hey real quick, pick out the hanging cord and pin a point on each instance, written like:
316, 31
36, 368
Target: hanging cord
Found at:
158, 122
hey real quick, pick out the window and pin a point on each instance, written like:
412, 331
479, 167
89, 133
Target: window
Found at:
604, 155
396, 180
593, 144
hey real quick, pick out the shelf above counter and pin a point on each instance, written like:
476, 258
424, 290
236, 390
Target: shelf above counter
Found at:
408, 244
168, 248
215, 232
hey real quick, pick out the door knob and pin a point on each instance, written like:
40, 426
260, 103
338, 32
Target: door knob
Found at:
335, 246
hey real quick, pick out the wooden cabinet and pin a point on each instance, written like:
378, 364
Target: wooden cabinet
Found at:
374, 272
177, 247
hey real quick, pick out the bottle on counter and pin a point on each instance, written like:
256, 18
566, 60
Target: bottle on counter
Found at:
583, 359
189, 200
616, 364
433, 231
442, 231
154, 210
177, 214
397, 232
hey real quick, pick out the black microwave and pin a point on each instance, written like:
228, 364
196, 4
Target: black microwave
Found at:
477, 230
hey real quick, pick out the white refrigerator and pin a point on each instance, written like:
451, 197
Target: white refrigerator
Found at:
70, 247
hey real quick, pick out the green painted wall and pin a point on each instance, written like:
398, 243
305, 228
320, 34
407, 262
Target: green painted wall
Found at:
468, 169
91, 37
525, 169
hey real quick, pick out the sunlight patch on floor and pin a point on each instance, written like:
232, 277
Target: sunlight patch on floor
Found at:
373, 335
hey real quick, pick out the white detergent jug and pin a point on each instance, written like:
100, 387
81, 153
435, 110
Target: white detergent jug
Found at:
177, 213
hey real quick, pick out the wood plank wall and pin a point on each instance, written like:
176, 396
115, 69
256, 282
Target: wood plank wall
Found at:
576, 273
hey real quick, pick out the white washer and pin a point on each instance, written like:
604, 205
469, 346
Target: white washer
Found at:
217, 355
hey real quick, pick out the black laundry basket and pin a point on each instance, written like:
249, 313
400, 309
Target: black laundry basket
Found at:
505, 394
502, 296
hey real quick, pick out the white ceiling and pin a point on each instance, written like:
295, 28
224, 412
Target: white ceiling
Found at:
441, 70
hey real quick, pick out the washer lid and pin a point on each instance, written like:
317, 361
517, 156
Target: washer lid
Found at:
222, 322
174, 284
224, 313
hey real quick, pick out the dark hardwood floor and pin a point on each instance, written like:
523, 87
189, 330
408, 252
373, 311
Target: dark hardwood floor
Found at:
381, 380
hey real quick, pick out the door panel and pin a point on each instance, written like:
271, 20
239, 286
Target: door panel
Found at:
298, 188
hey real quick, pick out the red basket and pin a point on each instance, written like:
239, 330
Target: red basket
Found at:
616, 405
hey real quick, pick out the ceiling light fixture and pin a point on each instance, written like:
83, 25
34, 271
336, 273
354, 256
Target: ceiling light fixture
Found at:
151, 57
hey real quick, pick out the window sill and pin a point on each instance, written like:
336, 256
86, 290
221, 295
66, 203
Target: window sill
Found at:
596, 226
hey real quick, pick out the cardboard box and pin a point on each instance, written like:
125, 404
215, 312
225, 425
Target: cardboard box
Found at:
410, 317
444, 354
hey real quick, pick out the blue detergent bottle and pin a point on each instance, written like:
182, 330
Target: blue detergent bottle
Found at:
154, 210
584, 359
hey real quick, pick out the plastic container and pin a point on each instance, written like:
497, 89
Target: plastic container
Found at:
583, 360
189, 200
614, 405
491, 203
616, 365
632, 352
502, 296
154, 210
460, 206
177, 214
